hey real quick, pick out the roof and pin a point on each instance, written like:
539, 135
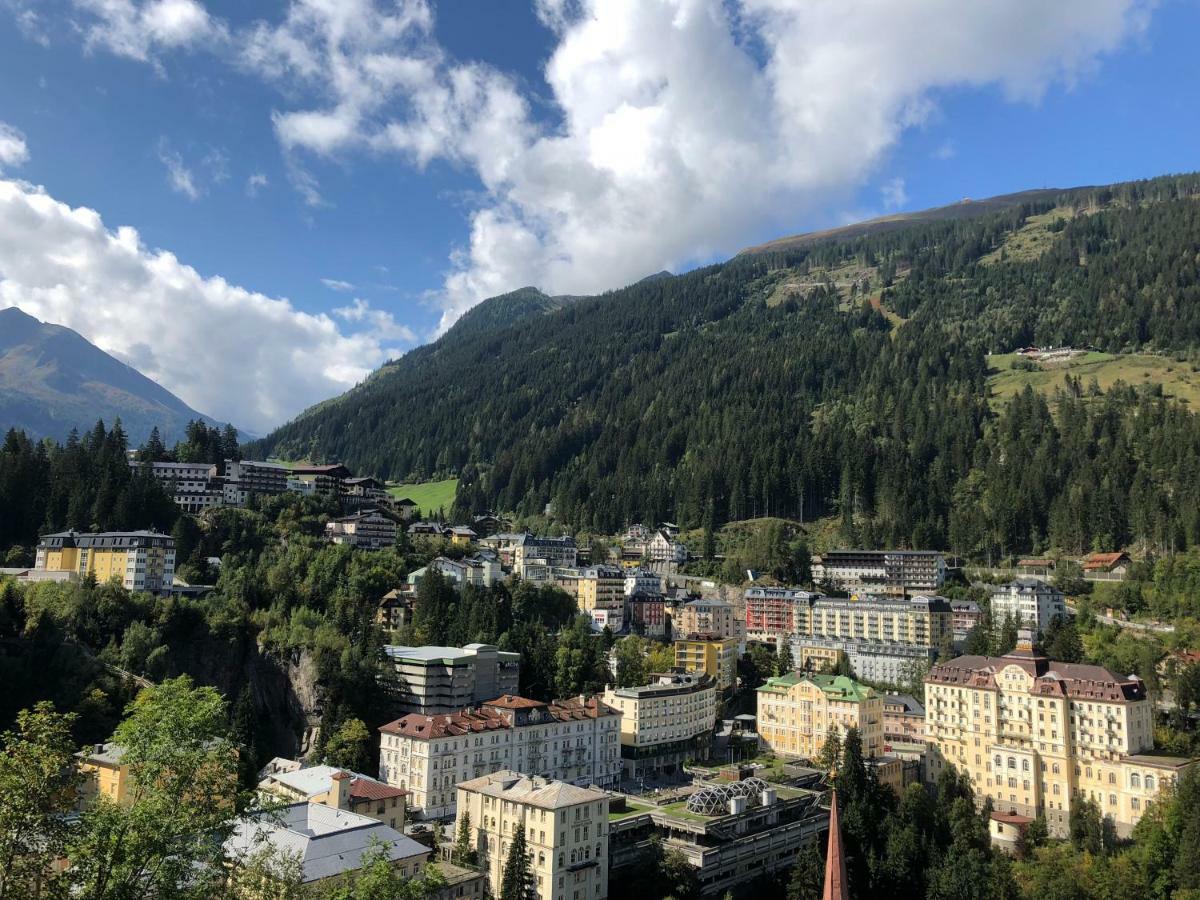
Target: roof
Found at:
708, 604
1011, 818
316, 780
1159, 762
1104, 560
105, 539
109, 754
446, 655
911, 704
1035, 563
836, 687
511, 701
454, 724
539, 792
1076, 680
331, 469
327, 842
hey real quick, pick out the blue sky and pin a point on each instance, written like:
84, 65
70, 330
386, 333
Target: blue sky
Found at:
663, 135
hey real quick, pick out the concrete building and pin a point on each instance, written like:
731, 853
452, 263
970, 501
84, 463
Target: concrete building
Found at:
138, 560
478, 571
1031, 601
664, 723
548, 552
892, 572
876, 661
575, 740
714, 656
715, 617
903, 719
440, 680
663, 548
964, 615
339, 789
774, 613
797, 713
244, 478
566, 829
194, 487
647, 614
1033, 734
394, 610
370, 530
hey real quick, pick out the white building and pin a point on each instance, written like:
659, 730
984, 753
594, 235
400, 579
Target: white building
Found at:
370, 530
439, 680
193, 486
1036, 603
664, 548
480, 571
896, 572
244, 478
542, 552
576, 740
566, 830
664, 723
639, 581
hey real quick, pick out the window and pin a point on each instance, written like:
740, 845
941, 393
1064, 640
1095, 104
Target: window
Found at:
1135, 780
1149, 782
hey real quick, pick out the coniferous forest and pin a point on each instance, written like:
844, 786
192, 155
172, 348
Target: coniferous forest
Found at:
768, 386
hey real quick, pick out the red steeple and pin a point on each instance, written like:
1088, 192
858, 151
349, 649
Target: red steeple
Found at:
836, 887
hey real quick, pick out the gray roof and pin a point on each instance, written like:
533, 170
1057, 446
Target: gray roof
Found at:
539, 792
910, 703
327, 841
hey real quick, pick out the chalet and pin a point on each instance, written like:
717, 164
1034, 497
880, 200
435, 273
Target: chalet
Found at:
1039, 566
432, 529
459, 535
405, 507
1107, 566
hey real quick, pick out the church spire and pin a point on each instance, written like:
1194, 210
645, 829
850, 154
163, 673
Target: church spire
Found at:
836, 887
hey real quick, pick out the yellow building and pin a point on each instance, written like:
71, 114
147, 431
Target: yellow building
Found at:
566, 830
104, 774
817, 658
715, 657
797, 714
138, 560
709, 617
665, 723
1034, 734
601, 587
337, 788
921, 621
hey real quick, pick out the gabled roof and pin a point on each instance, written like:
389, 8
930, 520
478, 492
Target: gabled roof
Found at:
1104, 560
539, 792
1077, 680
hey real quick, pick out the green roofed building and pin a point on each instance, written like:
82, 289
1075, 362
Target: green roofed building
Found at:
798, 712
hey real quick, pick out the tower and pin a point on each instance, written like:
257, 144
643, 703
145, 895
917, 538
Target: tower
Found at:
836, 887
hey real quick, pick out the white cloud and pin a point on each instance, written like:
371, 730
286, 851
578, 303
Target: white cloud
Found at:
893, 193
139, 29
181, 178
336, 284
378, 322
13, 149
225, 350
256, 183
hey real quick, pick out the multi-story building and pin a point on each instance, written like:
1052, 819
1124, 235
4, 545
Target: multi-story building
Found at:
1034, 735
394, 610
883, 663
647, 614
369, 529
324, 479
773, 613
964, 615
244, 478
1030, 601
601, 587
640, 581
664, 723
479, 571
337, 788
715, 656
194, 487
576, 740
663, 548
903, 719
895, 572
138, 560
551, 552
439, 680
566, 831
797, 714
716, 617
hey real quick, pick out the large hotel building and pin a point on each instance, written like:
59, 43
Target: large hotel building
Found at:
138, 560
1034, 734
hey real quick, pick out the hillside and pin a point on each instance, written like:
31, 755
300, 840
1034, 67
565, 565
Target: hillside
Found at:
840, 374
53, 380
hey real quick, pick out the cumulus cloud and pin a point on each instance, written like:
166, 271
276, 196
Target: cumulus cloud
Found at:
13, 150
225, 350
139, 29
378, 322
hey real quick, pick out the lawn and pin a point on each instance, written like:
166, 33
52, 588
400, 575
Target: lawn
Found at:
430, 496
1178, 379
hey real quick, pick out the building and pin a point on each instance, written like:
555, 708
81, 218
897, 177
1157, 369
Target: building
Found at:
1040, 567
328, 480
1106, 566
641, 581
477, 571
663, 548
894, 572
327, 842
773, 613
665, 723
964, 616
1033, 734
716, 617
566, 829
105, 774
193, 486
405, 507
647, 614
715, 656
394, 610
246, 478
439, 680
459, 535
339, 789
362, 492
875, 661
903, 719
575, 740
601, 587
369, 529
730, 833
1030, 602
425, 529
797, 713
612, 619
550, 552
138, 560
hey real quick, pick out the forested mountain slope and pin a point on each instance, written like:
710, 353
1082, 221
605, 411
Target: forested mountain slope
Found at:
847, 375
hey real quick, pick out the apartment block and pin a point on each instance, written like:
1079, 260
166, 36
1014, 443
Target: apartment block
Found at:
1033, 734
529, 551
1031, 601
903, 719
894, 572
773, 613
715, 617
664, 723
713, 656
440, 680
287, 780
797, 713
194, 487
245, 478
566, 830
575, 740
138, 560
647, 614
370, 530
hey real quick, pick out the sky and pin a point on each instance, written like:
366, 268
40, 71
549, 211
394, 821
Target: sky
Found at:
258, 202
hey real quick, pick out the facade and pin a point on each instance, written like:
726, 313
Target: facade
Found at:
459, 535
797, 713
324, 479
883, 663
576, 740
1106, 566
601, 587
244, 478
478, 571
369, 529
647, 614
339, 789
1030, 601
716, 617
566, 829
612, 619
903, 719
894, 572
329, 843
665, 723
774, 613
714, 656
139, 560
440, 680
193, 486
663, 548
964, 615
529, 550
394, 610
1033, 734
104, 774
640, 581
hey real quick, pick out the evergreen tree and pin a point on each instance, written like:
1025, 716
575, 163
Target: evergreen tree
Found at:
464, 853
517, 881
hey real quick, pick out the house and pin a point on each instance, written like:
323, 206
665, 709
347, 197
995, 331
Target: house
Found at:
664, 548
459, 535
369, 529
339, 789
487, 525
431, 529
394, 610
405, 507
1106, 566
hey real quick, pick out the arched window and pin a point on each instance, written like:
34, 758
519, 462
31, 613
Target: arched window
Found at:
1012, 762
1024, 765
1149, 782
541, 858
1135, 780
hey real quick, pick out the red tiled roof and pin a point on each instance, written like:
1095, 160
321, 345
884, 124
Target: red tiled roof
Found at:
1077, 680
452, 725
1010, 818
512, 701
590, 708
1103, 560
369, 789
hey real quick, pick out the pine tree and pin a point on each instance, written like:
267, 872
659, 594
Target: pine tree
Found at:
464, 853
517, 881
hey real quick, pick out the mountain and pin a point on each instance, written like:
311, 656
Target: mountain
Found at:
845, 374
53, 380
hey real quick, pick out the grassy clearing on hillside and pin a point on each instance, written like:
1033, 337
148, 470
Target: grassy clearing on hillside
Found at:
1029, 241
1179, 380
430, 495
